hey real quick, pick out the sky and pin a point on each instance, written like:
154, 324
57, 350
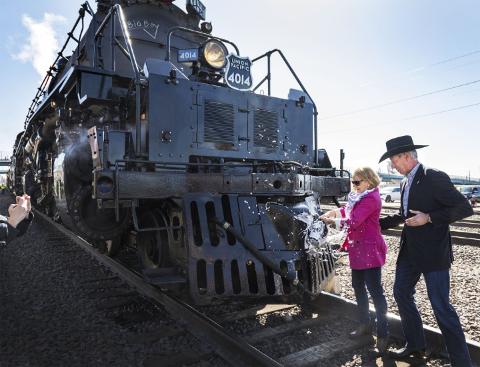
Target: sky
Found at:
376, 69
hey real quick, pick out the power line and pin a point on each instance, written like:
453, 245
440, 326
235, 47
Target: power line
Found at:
426, 67
440, 112
374, 107
415, 117
454, 58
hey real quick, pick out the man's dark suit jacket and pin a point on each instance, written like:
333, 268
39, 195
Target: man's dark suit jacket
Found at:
429, 247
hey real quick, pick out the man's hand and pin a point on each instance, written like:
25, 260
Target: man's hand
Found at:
419, 219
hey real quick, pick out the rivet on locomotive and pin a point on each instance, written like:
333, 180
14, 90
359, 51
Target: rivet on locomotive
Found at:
151, 136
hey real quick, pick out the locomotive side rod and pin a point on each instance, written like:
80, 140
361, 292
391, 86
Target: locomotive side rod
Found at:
233, 349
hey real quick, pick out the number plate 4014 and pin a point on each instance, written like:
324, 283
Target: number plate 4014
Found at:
238, 74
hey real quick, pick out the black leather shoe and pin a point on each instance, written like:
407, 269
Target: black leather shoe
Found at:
382, 345
406, 352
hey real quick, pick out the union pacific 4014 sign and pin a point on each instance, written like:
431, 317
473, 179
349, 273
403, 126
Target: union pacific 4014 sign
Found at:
238, 75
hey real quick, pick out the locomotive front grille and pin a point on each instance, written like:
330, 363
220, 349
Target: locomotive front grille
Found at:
219, 120
266, 129
220, 266
320, 270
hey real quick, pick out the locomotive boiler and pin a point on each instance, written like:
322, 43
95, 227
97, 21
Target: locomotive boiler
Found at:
151, 136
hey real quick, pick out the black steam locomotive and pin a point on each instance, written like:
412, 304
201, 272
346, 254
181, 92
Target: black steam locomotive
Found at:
151, 136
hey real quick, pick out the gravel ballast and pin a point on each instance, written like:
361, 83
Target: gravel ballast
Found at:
59, 307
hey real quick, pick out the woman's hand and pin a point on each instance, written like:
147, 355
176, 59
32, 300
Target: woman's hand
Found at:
328, 217
329, 214
327, 220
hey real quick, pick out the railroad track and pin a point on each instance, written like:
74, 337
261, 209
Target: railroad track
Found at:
458, 237
395, 206
267, 330
470, 236
226, 345
476, 211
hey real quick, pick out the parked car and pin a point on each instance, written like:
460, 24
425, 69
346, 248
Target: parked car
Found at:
390, 194
472, 193
475, 198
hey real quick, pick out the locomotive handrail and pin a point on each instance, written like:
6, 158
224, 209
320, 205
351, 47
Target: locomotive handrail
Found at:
172, 30
129, 52
268, 77
118, 11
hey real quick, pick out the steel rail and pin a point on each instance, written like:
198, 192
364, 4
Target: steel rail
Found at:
454, 232
476, 211
458, 239
471, 223
231, 348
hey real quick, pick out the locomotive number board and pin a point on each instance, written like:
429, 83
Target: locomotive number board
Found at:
188, 55
238, 74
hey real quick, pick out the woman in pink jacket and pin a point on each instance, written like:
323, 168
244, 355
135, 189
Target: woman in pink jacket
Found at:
366, 250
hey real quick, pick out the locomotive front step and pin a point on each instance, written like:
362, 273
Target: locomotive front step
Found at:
164, 277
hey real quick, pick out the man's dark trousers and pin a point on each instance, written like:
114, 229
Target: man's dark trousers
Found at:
438, 289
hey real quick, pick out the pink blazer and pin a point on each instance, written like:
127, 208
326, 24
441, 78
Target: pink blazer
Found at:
364, 243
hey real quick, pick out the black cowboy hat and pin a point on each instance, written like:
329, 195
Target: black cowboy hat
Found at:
399, 145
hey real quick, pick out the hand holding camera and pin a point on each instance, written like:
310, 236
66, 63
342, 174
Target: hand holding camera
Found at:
19, 211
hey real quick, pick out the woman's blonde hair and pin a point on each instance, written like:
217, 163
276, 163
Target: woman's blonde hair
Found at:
369, 175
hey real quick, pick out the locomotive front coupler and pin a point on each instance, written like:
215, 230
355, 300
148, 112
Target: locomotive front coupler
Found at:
260, 256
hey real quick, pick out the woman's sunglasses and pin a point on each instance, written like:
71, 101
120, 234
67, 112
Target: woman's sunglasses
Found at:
356, 182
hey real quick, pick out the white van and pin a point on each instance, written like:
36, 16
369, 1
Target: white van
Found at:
390, 194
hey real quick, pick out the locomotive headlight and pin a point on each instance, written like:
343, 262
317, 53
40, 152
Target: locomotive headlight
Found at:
214, 53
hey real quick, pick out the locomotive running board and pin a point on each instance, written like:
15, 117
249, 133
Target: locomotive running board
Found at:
220, 267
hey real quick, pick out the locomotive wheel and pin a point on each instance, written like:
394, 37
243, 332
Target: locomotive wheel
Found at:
49, 207
92, 222
30, 187
78, 163
152, 246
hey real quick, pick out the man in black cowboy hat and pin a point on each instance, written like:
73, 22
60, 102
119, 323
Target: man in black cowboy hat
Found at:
429, 203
